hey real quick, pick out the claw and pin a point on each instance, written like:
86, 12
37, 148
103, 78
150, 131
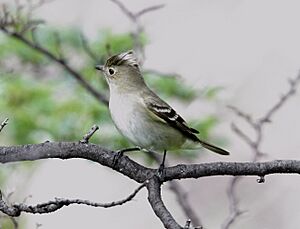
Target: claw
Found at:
121, 152
161, 169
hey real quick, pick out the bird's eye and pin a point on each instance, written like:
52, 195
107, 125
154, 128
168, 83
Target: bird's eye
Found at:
111, 71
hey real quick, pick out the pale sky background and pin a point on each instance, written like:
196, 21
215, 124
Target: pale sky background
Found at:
251, 48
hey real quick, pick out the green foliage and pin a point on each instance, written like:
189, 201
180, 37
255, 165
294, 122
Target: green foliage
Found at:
205, 126
171, 87
7, 223
210, 93
12, 47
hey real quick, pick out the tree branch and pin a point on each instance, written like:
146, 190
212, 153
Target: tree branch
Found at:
139, 29
180, 194
61, 62
137, 172
181, 197
258, 127
155, 200
54, 205
89, 134
3, 124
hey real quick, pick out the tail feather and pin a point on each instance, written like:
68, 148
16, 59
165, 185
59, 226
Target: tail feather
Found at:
213, 148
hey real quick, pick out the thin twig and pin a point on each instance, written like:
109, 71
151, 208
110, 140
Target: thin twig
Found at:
243, 115
258, 127
58, 45
3, 124
164, 74
89, 134
14, 222
11, 25
51, 206
292, 90
242, 135
124, 9
181, 197
88, 49
139, 29
149, 9
235, 212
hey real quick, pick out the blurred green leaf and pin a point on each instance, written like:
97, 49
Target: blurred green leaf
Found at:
171, 87
211, 93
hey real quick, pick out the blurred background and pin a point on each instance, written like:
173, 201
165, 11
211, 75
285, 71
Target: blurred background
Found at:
201, 56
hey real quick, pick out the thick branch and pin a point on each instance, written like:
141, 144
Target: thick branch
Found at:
133, 170
181, 195
155, 200
232, 169
68, 150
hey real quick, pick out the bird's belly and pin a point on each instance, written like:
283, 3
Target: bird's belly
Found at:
143, 131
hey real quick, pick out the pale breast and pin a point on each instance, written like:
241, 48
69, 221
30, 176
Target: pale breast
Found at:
123, 113
133, 121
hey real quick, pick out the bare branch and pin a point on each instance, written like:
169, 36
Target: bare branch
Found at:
3, 124
54, 205
89, 134
243, 115
254, 144
242, 135
139, 29
87, 49
58, 45
149, 9
100, 97
124, 9
14, 222
235, 212
134, 16
13, 26
137, 172
164, 74
181, 195
154, 198
292, 90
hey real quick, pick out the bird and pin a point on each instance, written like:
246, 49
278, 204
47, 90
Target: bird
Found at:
141, 115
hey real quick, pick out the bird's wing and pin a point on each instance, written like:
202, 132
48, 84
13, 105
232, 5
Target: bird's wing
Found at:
161, 111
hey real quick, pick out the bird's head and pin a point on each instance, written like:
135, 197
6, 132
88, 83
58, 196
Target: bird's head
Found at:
122, 70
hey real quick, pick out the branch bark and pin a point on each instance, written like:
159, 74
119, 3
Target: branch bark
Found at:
155, 200
54, 205
141, 174
138, 172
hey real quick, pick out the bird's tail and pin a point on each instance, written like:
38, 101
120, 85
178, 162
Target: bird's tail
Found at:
213, 148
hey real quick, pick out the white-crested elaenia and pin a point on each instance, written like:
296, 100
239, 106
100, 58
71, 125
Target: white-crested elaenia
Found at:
139, 114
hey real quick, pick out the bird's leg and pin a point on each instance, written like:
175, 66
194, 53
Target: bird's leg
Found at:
162, 166
121, 152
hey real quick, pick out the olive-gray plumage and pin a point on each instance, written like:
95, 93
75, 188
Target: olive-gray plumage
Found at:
139, 114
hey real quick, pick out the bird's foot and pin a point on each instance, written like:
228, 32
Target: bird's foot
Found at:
121, 152
161, 168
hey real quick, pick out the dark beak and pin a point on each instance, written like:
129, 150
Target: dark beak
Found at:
100, 68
